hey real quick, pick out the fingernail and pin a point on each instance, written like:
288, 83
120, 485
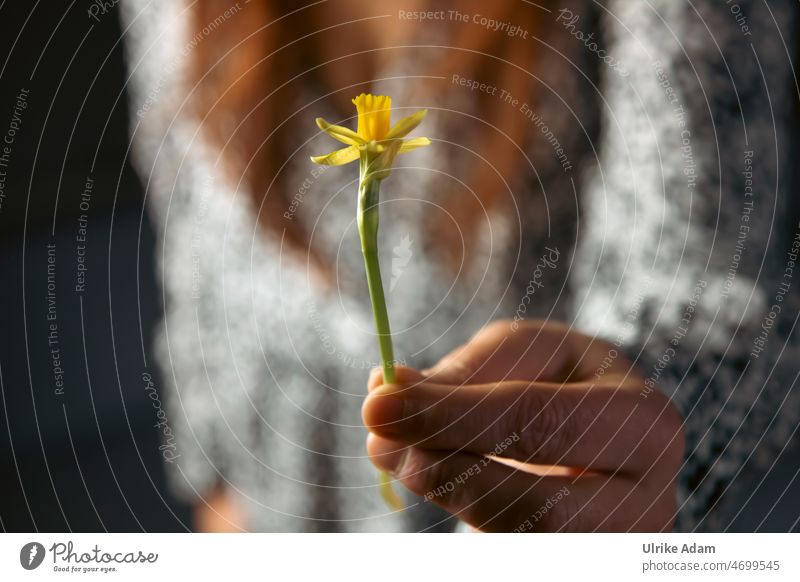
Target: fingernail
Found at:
375, 379
387, 454
384, 409
403, 375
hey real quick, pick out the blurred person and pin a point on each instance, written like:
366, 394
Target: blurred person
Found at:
579, 217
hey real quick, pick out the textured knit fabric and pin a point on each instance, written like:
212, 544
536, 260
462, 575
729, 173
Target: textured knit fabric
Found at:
265, 374
682, 257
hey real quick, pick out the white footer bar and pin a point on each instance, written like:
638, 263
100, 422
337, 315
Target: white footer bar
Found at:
400, 557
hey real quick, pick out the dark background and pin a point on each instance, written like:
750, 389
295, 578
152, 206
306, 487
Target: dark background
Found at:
88, 460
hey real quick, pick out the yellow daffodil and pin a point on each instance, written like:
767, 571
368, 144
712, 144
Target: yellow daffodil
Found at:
375, 143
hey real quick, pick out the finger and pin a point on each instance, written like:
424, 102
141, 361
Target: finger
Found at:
602, 428
403, 375
508, 351
495, 498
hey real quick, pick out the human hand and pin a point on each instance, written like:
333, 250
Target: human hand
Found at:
517, 431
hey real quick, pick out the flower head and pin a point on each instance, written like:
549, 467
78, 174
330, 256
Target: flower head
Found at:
376, 142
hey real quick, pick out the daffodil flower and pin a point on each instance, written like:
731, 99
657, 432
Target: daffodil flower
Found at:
375, 144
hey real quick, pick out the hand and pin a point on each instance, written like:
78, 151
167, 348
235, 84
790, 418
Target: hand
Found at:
537, 428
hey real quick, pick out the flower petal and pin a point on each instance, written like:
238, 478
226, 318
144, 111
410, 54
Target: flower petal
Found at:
374, 116
406, 125
380, 166
414, 143
339, 157
343, 134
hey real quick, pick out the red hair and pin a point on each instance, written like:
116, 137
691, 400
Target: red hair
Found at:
246, 73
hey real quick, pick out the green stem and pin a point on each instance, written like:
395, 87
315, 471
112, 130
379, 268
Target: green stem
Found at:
381, 316
368, 198
368, 230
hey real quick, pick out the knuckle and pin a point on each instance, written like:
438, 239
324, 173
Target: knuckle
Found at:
505, 328
419, 473
455, 368
427, 474
441, 423
441, 479
544, 425
500, 327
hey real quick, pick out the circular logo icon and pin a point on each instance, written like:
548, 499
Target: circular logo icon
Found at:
31, 555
